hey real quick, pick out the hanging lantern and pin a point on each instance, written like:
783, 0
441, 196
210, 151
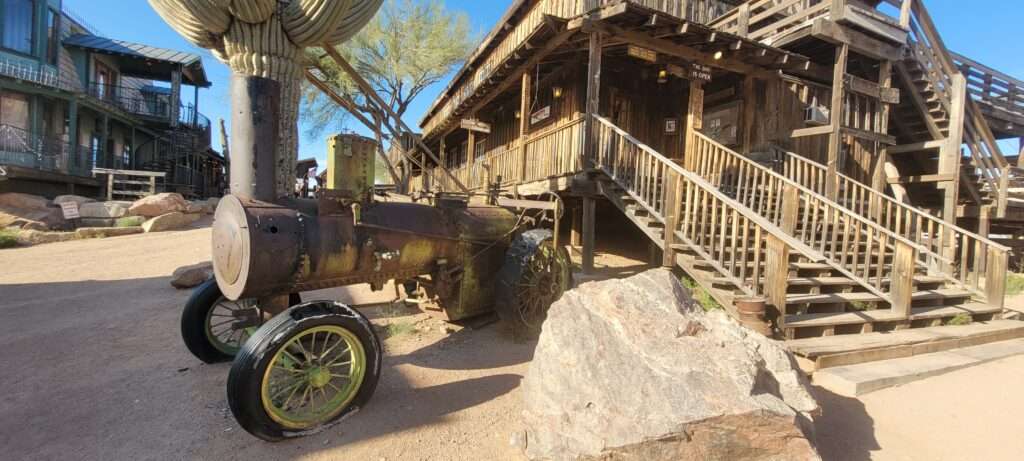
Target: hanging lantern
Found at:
556, 92
663, 76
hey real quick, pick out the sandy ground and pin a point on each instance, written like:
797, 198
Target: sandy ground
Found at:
94, 369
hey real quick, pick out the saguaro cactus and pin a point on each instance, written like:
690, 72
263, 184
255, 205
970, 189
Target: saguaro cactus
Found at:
265, 39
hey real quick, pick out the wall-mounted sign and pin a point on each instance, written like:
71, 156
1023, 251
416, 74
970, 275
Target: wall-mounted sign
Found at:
671, 125
642, 53
473, 124
540, 115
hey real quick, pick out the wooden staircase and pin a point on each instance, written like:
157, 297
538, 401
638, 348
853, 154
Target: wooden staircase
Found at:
741, 229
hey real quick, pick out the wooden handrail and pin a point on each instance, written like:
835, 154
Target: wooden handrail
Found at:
827, 226
930, 233
804, 250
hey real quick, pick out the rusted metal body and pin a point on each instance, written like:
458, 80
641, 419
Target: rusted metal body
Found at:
266, 249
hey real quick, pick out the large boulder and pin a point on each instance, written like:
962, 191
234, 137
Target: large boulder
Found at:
635, 369
105, 210
23, 201
170, 221
26, 211
34, 237
192, 276
159, 204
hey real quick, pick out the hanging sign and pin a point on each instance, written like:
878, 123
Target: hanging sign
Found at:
642, 53
473, 124
540, 115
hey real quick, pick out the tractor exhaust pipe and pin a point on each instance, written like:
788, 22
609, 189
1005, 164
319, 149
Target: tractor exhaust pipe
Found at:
256, 111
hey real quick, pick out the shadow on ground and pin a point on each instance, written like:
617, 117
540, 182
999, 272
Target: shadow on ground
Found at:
844, 430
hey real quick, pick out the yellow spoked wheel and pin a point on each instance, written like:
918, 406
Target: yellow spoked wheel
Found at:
306, 368
313, 377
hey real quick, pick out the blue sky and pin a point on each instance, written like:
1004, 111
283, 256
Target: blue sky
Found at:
984, 30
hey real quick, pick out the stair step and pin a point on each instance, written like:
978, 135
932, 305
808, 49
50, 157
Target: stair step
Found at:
843, 281
833, 298
974, 308
885, 315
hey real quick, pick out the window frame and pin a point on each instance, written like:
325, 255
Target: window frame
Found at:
32, 33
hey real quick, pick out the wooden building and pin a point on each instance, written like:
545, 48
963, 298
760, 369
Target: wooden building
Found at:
831, 156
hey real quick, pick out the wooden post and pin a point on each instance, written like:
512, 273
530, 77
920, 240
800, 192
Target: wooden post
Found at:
949, 162
589, 221
901, 289
879, 180
836, 112
790, 209
673, 206
776, 283
593, 103
524, 120
906, 9
110, 186
576, 228
749, 106
743, 22
175, 96
471, 158
980, 257
694, 120
995, 277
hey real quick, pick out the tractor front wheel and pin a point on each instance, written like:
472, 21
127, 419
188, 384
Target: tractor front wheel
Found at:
306, 368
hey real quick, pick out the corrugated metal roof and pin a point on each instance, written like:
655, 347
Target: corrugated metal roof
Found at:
140, 51
131, 49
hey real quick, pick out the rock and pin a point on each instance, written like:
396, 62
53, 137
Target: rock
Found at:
23, 201
192, 276
96, 222
32, 219
130, 221
104, 232
72, 198
170, 221
34, 237
212, 203
159, 204
104, 209
635, 369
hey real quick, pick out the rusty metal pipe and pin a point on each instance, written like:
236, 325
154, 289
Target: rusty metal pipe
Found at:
256, 110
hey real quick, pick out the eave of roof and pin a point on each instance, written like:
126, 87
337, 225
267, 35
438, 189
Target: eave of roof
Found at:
192, 63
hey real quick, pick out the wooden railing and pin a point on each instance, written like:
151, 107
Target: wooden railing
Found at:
860, 249
951, 89
990, 87
743, 247
767, 19
939, 240
551, 152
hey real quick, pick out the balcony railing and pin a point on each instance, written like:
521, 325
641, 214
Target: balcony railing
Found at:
22, 148
135, 101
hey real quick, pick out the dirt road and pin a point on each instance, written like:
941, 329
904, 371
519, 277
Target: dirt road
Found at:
94, 369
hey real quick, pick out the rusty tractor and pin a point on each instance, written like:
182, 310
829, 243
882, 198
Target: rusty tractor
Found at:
301, 366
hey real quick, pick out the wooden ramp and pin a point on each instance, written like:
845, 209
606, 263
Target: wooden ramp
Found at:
841, 350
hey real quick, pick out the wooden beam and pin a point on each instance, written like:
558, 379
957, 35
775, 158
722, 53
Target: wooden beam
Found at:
835, 123
811, 131
917, 146
749, 114
526, 91
859, 42
589, 221
924, 178
593, 102
694, 121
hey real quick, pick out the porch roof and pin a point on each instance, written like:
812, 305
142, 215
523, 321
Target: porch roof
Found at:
145, 61
622, 22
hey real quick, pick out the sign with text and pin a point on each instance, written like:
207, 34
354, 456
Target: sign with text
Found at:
70, 210
642, 53
700, 72
473, 124
540, 115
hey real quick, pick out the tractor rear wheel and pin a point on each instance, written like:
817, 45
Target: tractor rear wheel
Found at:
534, 276
306, 368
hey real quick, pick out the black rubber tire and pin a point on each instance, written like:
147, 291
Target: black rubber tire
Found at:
193, 322
507, 293
244, 380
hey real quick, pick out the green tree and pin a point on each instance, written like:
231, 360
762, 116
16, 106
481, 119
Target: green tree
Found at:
408, 46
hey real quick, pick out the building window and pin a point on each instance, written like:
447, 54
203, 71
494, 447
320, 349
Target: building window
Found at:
14, 109
52, 36
18, 19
